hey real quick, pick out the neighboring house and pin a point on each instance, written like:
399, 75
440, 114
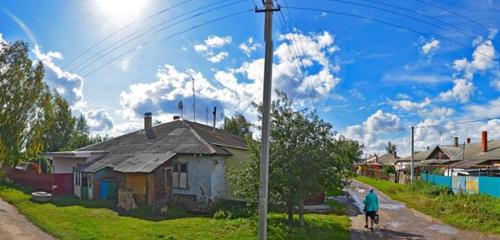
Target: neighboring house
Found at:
458, 158
178, 162
404, 163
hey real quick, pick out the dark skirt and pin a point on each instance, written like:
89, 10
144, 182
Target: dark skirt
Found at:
371, 214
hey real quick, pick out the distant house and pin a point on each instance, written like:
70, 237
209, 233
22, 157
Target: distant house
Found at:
178, 162
458, 158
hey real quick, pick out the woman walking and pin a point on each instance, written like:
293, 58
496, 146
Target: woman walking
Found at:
371, 208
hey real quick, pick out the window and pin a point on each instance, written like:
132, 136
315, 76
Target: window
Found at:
179, 176
89, 180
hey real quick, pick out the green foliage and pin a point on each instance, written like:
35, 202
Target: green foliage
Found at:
304, 158
22, 91
237, 125
467, 211
70, 218
33, 119
387, 170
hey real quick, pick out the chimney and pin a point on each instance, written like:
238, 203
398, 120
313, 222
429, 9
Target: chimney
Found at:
215, 114
468, 140
148, 120
455, 141
176, 118
485, 141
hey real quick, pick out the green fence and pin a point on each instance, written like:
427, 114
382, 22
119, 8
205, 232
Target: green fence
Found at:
470, 184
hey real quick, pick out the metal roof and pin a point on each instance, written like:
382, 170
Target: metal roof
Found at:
139, 152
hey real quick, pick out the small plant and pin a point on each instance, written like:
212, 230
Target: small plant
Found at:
221, 214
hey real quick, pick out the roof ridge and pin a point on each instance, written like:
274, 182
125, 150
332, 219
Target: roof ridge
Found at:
195, 133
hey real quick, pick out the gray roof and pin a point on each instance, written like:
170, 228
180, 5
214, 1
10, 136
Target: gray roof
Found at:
135, 152
418, 156
474, 154
386, 159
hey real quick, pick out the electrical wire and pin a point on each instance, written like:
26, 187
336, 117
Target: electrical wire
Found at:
463, 30
387, 23
168, 37
140, 33
452, 12
459, 123
399, 14
122, 29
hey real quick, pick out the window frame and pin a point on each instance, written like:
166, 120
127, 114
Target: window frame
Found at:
177, 171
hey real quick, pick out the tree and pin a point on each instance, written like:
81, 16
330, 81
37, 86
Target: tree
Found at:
22, 92
59, 125
80, 136
304, 159
237, 125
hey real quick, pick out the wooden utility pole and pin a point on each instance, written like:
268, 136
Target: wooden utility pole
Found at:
194, 101
412, 151
266, 101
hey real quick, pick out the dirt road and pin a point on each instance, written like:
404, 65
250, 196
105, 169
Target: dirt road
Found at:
399, 222
14, 226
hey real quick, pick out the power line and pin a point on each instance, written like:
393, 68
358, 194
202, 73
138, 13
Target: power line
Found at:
139, 33
458, 123
122, 29
425, 15
386, 23
294, 49
452, 12
399, 14
168, 37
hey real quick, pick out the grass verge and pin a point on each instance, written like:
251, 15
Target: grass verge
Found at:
70, 218
466, 211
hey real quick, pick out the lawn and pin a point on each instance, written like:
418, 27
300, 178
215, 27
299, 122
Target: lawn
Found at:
69, 218
467, 211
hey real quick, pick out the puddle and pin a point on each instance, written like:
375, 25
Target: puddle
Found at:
394, 224
443, 229
390, 206
360, 190
341, 199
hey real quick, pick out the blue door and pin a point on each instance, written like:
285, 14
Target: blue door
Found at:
103, 190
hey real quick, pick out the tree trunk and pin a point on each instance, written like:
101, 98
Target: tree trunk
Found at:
289, 205
301, 212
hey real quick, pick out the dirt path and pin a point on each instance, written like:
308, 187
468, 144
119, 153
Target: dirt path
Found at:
399, 222
14, 226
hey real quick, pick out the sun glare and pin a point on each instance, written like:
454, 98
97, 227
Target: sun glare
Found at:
121, 11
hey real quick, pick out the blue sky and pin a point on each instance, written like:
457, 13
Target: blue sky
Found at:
370, 80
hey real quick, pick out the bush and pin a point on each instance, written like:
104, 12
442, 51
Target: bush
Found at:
221, 214
233, 209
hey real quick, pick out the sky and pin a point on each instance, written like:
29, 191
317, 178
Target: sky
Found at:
372, 68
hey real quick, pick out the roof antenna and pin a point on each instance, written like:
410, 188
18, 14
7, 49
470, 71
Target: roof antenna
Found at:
194, 101
180, 106
215, 114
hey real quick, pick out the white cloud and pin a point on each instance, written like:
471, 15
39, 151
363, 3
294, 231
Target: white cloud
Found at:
462, 91
99, 120
408, 105
249, 46
124, 64
403, 96
495, 83
430, 47
69, 85
417, 78
489, 110
235, 89
210, 44
377, 123
217, 57
23, 27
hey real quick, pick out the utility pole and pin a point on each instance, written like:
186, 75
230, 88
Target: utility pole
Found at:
412, 151
264, 155
194, 101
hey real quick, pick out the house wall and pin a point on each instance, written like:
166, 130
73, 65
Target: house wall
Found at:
231, 162
137, 183
201, 176
103, 174
65, 165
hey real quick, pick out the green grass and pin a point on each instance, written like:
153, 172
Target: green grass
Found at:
70, 218
466, 211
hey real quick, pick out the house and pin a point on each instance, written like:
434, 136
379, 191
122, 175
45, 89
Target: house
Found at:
458, 158
178, 162
404, 163
373, 165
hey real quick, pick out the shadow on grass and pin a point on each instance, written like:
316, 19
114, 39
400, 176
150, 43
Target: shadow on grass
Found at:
21, 193
383, 234
315, 228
